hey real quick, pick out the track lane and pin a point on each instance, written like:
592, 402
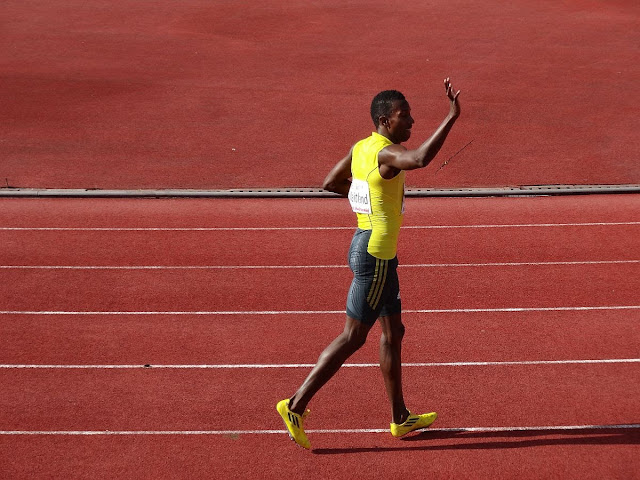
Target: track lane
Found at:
273, 212
249, 290
584, 454
158, 399
206, 340
321, 247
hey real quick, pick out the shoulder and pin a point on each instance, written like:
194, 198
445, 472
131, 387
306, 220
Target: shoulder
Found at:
386, 159
361, 142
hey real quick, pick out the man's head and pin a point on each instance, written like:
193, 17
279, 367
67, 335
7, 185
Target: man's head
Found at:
391, 115
383, 104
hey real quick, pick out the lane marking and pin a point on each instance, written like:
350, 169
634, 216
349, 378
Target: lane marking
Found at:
323, 312
227, 229
292, 267
542, 429
311, 365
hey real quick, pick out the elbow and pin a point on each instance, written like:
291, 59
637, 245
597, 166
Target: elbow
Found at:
424, 162
332, 187
332, 184
328, 185
421, 161
425, 159
341, 188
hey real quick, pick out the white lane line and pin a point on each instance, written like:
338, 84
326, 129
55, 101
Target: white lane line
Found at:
541, 429
227, 229
292, 267
322, 312
310, 365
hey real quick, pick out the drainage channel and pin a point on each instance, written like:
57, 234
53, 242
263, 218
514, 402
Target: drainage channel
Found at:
525, 190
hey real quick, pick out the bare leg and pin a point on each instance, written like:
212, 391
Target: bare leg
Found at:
391, 364
330, 360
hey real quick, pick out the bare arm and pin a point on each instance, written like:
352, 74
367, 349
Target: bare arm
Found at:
338, 179
396, 157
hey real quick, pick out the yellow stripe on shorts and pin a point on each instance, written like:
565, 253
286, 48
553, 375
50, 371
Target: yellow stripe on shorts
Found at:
379, 278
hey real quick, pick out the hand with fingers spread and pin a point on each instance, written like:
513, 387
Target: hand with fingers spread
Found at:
454, 110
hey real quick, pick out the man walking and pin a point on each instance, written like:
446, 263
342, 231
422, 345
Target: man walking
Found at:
372, 177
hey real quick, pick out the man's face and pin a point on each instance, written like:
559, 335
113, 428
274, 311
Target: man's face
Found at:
400, 122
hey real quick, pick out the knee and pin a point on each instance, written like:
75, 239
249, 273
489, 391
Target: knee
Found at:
355, 339
393, 335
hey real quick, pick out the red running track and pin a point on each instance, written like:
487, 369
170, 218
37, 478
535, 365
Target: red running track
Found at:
557, 400
192, 94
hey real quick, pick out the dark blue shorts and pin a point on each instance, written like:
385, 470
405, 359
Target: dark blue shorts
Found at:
375, 290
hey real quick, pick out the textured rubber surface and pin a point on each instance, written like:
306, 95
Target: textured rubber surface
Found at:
490, 374
214, 95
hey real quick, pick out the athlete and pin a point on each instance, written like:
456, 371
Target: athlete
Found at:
372, 177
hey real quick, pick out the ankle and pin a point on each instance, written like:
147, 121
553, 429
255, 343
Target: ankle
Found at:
295, 406
400, 417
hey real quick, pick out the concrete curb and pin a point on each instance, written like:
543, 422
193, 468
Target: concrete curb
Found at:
296, 192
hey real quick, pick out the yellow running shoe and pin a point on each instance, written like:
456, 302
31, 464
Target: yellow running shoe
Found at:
294, 422
413, 422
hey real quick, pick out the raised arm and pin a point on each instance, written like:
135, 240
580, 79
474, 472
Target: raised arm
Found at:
396, 157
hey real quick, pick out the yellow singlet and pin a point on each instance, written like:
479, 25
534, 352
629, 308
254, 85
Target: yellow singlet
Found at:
385, 196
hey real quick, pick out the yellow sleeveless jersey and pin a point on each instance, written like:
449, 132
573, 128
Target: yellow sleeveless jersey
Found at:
378, 202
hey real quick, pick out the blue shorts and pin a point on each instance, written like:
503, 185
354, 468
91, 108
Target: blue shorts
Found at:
375, 290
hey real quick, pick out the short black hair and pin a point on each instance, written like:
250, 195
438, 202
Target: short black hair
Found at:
382, 104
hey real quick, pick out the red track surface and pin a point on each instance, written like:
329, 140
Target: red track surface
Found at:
470, 240
193, 94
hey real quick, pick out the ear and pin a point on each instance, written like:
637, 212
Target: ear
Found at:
383, 121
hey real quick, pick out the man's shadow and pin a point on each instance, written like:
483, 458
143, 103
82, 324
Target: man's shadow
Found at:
501, 440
